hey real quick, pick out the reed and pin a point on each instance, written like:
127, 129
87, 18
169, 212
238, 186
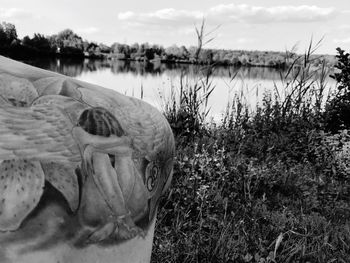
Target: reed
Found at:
268, 184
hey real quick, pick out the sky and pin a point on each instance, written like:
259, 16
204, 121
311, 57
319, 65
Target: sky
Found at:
276, 25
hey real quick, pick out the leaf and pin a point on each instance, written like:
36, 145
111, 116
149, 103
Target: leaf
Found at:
278, 242
21, 186
248, 257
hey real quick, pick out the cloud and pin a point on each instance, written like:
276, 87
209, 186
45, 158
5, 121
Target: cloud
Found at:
165, 17
15, 14
126, 15
258, 14
344, 27
342, 41
244, 40
88, 30
230, 13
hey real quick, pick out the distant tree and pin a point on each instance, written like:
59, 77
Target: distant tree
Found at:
92, 48
173, 52
104, 48
149, 53
41, 43
235, 61
270, 63
206, 56
244, 59
69, 42
141, 49
134, 48
184, 54
8, 33
3, 38
118, 48
85, 45
127, 51
26, 41
158, 50
192, 52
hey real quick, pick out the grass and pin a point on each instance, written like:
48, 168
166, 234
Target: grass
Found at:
264, 185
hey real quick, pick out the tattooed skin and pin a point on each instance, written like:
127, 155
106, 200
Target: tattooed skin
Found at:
100, 158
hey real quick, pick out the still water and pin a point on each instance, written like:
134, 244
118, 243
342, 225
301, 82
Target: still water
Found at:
153, 82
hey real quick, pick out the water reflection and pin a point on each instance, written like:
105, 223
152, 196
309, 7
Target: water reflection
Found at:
153, 82
75, 68
69, 67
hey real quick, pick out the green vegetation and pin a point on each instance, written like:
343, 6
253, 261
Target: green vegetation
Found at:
265, 185
68, 44
64, 44
338, 110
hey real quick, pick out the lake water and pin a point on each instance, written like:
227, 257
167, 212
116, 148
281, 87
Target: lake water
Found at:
153, 82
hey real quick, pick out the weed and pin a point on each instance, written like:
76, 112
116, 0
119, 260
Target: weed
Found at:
264, 185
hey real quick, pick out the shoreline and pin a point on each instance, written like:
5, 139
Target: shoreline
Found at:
22, 53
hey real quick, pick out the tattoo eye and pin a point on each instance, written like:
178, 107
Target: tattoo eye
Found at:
112, 159
152, 174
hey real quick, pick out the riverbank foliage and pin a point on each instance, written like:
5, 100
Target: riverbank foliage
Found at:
69, 44
265, 185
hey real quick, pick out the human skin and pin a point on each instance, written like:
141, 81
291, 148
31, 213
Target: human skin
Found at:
99, 180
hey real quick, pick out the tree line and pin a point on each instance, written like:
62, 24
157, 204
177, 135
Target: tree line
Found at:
69, 44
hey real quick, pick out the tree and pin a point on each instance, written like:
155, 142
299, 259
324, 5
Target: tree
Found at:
343, 77
92, 48
41, 43
173, 52
8, 33
192, 52
338, 109
118, 48
206, 56
69, 42
104, 48
26, 41
235, 61
134, 48
184, 52
158, 50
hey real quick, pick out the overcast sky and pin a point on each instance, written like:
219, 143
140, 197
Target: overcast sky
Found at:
248, 24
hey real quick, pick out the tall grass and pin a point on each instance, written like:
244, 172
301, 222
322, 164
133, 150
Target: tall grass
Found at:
264, 185
187, 109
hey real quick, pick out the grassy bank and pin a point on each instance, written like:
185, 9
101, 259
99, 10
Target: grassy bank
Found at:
265, 185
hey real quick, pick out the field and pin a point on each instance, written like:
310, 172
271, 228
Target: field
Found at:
265, 185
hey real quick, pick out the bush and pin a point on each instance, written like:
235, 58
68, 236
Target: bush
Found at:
338, 109
232, 208
268, 185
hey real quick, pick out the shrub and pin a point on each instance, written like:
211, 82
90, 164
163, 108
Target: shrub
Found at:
338, 109
234, 208
268, 185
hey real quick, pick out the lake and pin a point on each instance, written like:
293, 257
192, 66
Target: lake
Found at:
154, 81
